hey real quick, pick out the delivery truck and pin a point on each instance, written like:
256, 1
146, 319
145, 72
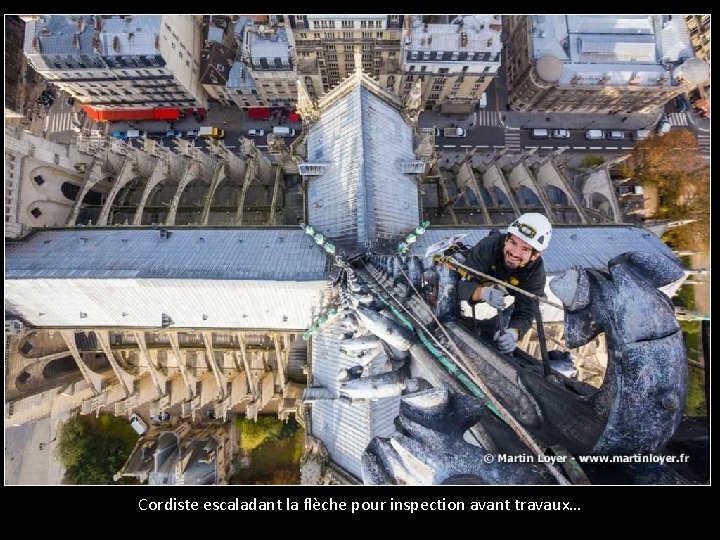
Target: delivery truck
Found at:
215, 133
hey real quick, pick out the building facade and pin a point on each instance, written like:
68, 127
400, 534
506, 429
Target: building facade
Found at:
456, 62
120, 62
267, 54
325, 47
608, 63
699, 28
42, 181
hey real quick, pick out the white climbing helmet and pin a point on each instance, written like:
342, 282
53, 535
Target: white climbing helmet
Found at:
535, 229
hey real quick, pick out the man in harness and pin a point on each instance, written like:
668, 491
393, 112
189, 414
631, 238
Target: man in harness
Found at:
514, 258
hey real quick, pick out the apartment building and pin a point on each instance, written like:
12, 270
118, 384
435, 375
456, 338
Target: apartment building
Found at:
598, 63
217, 63
267, 55
325, 47
456, 62
699, 28
120, 62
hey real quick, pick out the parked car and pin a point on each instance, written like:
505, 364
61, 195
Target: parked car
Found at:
539, 134
561, 133
641, 134
594, 134
630, 189
160, 418
616, 135
192, 133
174, 133
663, 127
256, 132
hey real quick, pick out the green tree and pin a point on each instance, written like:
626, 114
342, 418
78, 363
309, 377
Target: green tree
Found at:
253, 434
89, 456
72, 442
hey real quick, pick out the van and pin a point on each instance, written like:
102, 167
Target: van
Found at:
616, 135
594, 134
138, 424
453, 132
482, 103
282, 131
641, 134
540, 134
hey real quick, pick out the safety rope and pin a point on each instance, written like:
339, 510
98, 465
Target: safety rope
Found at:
452, 260
519, 430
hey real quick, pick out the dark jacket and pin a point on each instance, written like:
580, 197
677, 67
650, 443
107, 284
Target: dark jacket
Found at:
486, 256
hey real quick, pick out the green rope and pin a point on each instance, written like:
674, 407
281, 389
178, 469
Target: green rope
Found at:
448, 364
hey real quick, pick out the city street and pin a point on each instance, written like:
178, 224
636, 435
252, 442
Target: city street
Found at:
494, 127
490, 128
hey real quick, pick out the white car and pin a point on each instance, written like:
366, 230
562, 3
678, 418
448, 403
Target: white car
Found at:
663, 127
561, 133
256, 132
138, 424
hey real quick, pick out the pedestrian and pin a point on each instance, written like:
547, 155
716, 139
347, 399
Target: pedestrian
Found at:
514, 258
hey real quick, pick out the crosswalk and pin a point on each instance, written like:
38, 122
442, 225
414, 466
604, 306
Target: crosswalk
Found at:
704, 142
512, 139
487, 118
62, 121
678, 119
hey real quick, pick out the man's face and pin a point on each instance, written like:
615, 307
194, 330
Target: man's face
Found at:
517, 253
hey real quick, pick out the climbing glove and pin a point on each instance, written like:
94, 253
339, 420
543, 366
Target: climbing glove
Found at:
494, 295
507, 342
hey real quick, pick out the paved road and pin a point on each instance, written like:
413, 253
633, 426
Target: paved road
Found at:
517, 140
492, 127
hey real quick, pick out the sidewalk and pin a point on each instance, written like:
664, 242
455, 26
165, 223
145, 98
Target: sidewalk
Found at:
435, 119
228, 118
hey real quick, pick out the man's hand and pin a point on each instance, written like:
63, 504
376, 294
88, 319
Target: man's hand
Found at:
507, 342
494, 295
